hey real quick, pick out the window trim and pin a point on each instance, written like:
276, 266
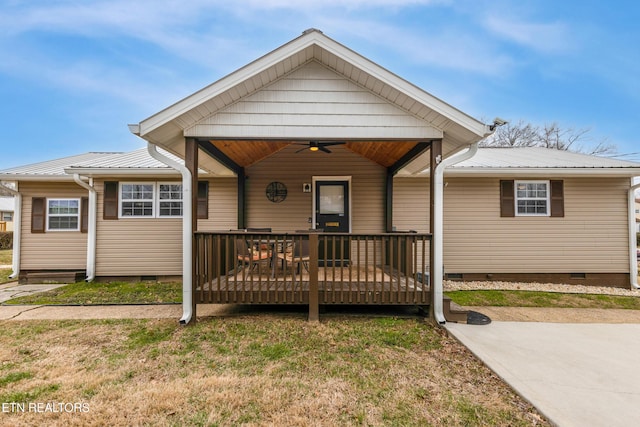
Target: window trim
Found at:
78, 215
547, 199
155, 200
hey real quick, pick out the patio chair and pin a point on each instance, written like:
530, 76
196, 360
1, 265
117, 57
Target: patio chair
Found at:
297, 255
247, 255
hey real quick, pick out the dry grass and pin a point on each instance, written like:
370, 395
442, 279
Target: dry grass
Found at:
253, 370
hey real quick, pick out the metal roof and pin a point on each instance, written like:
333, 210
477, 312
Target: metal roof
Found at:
537, 160
50, 167
131, 163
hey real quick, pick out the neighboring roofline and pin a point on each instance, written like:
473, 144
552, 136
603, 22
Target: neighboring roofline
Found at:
308, 39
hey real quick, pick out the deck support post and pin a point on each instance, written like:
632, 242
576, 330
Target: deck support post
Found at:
314, 310
191, 162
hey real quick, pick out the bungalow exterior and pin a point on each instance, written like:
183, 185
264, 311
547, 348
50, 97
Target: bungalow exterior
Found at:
311, 137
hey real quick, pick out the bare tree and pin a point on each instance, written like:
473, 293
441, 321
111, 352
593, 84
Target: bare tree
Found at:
551, 136
514, 135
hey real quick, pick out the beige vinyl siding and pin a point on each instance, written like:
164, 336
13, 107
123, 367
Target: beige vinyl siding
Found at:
590, 238
223, 205
137, 246
294, 169
313, 101
52, 250
153, 246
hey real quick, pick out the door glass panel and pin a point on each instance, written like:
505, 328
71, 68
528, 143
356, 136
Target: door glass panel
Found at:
331, 200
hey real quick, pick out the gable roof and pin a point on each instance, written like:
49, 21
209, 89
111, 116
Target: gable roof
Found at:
541, 161
198, 114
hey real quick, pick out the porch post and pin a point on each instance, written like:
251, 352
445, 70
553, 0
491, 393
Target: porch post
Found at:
389, 202
436, 157
191, 162
314, 309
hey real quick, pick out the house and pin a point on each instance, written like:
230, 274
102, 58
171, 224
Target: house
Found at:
238, 178
6, 213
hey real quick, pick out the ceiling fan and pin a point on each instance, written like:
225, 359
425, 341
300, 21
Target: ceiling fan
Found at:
318, 145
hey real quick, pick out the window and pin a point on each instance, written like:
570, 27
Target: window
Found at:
532, 198
150, 199
63, 214
137, 200
170, 202
7, 216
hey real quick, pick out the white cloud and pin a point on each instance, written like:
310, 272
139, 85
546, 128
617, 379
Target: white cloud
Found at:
553, 37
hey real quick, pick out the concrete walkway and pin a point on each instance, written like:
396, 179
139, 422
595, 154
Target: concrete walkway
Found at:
13, 290
575, 374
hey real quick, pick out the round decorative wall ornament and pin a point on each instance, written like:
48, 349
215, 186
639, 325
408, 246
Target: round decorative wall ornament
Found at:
276, 191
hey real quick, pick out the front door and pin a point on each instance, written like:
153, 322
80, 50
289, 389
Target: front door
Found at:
333, 216
332, 206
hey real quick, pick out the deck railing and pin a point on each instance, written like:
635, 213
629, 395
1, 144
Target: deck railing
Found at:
311, 268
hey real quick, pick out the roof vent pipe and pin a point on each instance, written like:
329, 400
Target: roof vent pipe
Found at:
187, 230
438, 222
17, 230
633, 239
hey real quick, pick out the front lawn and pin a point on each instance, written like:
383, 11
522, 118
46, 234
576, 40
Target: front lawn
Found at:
501, 298
250, 370
6, 256
83, 293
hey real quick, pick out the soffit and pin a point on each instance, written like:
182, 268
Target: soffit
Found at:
247, 153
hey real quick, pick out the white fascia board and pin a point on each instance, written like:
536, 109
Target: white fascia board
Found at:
120, 171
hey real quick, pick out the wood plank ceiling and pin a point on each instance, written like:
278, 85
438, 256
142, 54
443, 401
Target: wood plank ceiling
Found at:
248, 152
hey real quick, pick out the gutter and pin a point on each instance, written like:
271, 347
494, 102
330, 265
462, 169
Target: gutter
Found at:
633, 246
17, 230
438, 223
92, 226
187, 231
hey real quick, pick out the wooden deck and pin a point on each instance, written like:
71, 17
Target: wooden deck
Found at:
336, 285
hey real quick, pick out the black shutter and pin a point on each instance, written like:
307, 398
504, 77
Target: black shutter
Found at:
110, 200
507, 199
38, 212
203, 199
557, 198
84, 215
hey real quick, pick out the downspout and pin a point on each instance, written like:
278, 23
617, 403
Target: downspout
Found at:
91, 226
438, 222
17, 230
633, 242
187, 230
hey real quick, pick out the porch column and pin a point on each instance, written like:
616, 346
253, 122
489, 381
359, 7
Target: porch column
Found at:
436, 157
191, 162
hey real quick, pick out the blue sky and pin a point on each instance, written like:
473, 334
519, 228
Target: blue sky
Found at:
74, 73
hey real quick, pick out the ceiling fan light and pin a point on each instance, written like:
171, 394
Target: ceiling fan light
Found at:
313, 148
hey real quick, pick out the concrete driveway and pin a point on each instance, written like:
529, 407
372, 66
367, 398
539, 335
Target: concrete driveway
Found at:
575, 374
